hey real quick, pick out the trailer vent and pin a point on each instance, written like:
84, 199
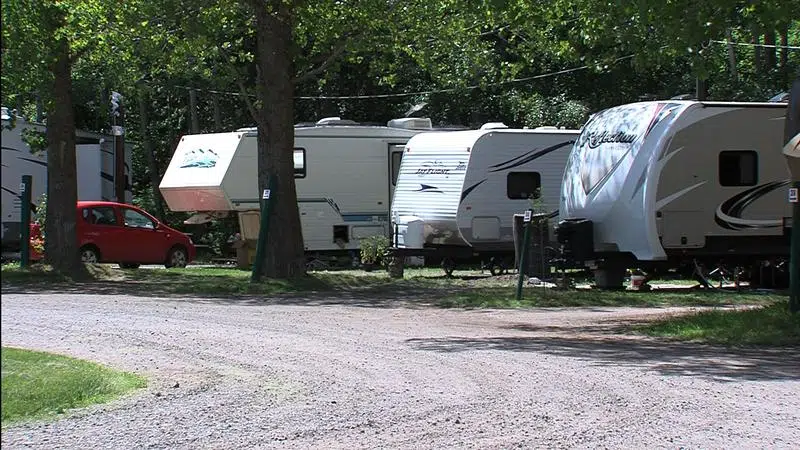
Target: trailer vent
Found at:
335, 121
411, 123
493, 126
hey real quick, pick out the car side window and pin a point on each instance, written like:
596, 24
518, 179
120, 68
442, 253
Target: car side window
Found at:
103, 215
135, 219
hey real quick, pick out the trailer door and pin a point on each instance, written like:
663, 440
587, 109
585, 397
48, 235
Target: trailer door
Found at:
395, 156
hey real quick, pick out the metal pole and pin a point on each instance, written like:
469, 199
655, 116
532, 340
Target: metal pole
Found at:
794, 257
267, 198
526, 237
25, 220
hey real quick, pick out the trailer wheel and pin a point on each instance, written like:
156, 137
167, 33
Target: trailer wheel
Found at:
448, 265
494, 268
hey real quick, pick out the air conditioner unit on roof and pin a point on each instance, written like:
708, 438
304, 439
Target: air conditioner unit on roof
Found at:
411, 123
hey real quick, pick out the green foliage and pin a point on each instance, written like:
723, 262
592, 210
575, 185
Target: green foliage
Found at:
37, 384
772, 325
373, 249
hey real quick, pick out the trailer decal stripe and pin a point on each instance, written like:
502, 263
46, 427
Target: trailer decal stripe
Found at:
35, 161
469, 190
729, 213
528, 157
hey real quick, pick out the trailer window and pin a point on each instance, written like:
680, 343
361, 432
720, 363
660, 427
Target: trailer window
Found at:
738, 168
299, 163
522, 185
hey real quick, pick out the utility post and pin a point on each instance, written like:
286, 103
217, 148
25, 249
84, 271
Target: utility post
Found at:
791, 150
118, 130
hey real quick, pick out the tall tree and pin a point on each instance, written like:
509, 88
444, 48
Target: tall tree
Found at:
37, 53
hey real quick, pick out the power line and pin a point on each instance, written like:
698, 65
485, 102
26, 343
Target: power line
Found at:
748, 44
434, 91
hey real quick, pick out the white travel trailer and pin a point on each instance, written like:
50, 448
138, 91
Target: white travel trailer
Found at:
675, 182
95, 171
345, 174
460, 190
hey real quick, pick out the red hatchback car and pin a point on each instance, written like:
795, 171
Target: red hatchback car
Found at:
110, 232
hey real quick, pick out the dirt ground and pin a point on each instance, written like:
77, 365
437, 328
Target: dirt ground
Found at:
359, 373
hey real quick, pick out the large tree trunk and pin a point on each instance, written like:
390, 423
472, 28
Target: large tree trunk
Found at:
284, 257
756, 40
147, 144
770, 60
62, 190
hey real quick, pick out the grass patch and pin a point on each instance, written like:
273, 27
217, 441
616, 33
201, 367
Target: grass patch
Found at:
38, 384
504, 297
772, 325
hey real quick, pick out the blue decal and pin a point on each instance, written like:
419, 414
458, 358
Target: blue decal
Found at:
200, 158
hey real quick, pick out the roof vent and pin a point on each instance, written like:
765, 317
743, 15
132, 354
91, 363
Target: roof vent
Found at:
493, 125
335, 121
411, 123
547, 127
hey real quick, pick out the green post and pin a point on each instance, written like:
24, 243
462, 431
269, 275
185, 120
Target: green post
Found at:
794, 256
526, 237
25, 220
267, 198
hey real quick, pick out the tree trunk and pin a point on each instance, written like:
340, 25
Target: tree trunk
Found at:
284, 257
757, 63
770, 60
731, 56
784, 54
194, 121
62, 190
152, 164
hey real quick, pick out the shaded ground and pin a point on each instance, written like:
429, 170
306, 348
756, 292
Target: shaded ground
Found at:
277, 373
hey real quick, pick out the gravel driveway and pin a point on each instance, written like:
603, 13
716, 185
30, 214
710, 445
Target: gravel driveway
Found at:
347, 373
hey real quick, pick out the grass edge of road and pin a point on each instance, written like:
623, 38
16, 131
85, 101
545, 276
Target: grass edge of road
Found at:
771, 325
40, 385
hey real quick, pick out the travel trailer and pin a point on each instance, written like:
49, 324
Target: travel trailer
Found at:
668, 183
345, 174
459, 191
95, 171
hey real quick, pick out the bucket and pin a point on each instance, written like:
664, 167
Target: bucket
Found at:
636, 281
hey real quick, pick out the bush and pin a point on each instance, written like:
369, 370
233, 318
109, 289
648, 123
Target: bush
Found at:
373, 249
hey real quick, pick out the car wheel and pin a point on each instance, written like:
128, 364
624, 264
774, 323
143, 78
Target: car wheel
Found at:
128, 266
177, 257
90, 255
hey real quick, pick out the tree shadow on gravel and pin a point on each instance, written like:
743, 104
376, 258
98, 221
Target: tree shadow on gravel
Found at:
367, 297
668, 358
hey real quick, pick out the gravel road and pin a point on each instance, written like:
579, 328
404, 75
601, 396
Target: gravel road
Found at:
348, 373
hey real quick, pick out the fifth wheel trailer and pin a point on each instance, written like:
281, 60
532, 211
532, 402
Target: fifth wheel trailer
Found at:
670, 183
95, 171
345, 175
459, 191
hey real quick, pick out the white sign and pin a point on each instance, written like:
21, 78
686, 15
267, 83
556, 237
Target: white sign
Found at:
265, 195
793, 196
528, 215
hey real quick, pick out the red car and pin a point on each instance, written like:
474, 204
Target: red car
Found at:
124, 234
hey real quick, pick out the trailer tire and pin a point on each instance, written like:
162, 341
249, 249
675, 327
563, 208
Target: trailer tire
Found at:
448, 265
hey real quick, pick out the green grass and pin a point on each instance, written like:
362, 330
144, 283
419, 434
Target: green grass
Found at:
772, 325
497, 297
39, 385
